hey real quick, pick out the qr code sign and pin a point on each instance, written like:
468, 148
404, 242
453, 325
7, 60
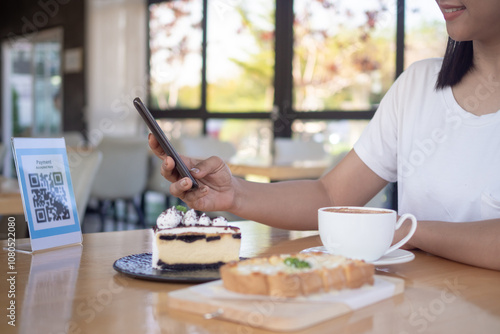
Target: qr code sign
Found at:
50, 199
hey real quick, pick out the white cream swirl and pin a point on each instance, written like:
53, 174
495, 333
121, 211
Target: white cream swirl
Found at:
219, 221
204, 220
190, 218
169, 218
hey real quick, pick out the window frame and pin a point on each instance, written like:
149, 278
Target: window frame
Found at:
282, 114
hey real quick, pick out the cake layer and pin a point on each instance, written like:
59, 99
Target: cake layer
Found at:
195, 248
199, 229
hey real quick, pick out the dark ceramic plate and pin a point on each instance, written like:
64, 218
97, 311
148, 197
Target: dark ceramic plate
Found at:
139, 266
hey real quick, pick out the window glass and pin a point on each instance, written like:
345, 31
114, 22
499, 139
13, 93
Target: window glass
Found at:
240, 56
34, 83
20, 78
175, 39
47, 94
425, 31
344, 53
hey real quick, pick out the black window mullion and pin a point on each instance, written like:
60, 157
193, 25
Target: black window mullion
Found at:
335, 115
204, 113
282, 114
400, 60
400, 37
175, 113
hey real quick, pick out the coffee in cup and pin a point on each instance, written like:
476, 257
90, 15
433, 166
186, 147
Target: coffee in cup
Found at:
361, 232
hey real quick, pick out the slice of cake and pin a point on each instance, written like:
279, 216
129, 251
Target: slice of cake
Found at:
292, 275
184, 241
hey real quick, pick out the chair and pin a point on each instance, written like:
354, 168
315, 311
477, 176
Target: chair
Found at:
288, 151
205, 147
83, 167
122, 175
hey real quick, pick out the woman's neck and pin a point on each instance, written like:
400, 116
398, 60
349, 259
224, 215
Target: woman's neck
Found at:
479, 91
487, 57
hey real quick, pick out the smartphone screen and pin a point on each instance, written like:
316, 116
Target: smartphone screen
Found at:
163, 140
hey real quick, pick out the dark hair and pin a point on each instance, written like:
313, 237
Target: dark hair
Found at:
458, 60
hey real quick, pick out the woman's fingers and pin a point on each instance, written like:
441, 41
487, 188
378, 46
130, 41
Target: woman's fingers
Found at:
215, 185
208, 166
155, 146
182, 189
179, 188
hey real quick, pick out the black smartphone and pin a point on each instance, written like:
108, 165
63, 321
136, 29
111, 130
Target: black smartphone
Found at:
163, 140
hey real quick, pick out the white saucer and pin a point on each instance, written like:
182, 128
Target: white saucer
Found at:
394, 257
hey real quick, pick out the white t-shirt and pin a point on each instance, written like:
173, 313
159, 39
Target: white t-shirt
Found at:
446, 160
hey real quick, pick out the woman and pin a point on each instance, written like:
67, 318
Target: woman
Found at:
435, 133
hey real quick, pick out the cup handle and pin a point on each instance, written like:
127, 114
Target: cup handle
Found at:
400, 222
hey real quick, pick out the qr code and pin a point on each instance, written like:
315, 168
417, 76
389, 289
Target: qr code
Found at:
50, 199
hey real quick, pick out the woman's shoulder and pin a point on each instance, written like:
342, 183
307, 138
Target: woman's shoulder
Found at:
421, 72
428, 65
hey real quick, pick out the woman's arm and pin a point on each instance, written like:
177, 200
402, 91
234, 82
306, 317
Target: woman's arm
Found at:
476, 243
294, 204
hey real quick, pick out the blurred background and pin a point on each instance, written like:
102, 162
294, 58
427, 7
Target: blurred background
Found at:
243, 73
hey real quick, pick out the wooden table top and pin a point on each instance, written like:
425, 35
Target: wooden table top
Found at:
76, 290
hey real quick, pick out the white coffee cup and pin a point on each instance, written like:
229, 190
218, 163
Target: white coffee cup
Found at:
361, 232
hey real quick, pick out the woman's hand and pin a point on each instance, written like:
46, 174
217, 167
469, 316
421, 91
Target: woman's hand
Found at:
216, 190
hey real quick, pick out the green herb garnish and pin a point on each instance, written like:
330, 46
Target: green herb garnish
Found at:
294, 262
181, 208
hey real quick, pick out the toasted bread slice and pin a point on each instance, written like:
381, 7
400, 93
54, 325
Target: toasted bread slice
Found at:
292, 275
